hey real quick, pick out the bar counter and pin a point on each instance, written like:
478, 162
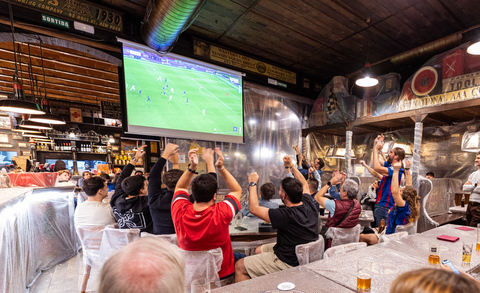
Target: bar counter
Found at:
36, 233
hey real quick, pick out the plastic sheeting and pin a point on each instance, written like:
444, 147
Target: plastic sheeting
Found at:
342, 249
172, 238
44, 179
392, 237
202, 265
273, 123
310, 252
36, 234
341, 236
114, 239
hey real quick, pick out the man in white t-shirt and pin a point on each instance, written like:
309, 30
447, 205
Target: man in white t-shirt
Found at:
93, 211
473, 185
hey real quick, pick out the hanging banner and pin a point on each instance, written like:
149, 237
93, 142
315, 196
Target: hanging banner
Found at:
224, 56
82, 11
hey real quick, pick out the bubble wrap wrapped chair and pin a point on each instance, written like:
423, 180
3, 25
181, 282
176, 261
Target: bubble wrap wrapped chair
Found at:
91, 239
410, 228
342, 249
249, 246
115, 239
310, 252
172, 238
392, 237
341, 236
202, 264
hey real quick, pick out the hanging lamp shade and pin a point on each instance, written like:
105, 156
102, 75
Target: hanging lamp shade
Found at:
35, 136
367, 81
18, 104
26, 130
35, 125
474, 48
47, 118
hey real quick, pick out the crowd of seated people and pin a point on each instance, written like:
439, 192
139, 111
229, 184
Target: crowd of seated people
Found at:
182, 203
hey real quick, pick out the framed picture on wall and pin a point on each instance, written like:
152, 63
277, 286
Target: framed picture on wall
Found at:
22, 144
5, 122
115, 148
26, 153
4, 138
17, 136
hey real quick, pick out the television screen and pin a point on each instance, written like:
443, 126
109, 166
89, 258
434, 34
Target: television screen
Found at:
174, 96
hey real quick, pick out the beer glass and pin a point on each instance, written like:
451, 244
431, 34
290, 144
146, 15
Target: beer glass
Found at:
467, 248
364, 275
434, 254
478, 237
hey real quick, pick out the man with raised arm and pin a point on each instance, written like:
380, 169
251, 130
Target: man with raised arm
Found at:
385, 200
160, 199
296, 224
473, 185
203, 225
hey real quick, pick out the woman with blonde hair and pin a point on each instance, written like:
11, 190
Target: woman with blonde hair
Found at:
430, 280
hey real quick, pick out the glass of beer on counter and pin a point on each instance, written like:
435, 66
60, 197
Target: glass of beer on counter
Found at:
364, 275
434, 254
478, 237
467, 248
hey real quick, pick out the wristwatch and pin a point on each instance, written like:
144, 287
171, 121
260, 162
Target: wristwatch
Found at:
134, 159
329, 183
192, 171
253, 184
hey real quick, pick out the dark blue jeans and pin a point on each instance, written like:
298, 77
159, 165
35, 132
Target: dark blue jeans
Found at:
380, 213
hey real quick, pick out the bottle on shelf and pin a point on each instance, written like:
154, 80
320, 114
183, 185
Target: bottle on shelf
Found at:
37, 167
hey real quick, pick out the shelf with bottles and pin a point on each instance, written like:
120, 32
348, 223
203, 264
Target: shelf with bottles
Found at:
123, 159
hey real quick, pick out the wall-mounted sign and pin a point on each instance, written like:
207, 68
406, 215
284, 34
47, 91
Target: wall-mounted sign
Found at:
224, 56
111, 110
79, 10
55, 21
76, 115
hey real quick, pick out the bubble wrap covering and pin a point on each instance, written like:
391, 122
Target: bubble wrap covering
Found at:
310, 252
344, 235
36, 233
387, 265
172, 238
410, 228
392, 237
202, 264
249, 246
91, 239
114, 239
342, 249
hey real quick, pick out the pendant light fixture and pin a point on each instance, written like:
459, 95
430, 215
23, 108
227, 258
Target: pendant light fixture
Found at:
18, 104
474, 48
367, 81
33, 125
48, 117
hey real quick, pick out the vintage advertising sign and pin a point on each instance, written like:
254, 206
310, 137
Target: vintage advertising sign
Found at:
55, 21
79, 10
243, 62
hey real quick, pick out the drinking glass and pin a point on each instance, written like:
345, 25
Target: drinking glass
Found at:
467, 248
434, 254
364, 275
478, 237
200, 286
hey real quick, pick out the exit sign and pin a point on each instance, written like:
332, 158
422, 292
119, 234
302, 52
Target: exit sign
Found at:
55, 21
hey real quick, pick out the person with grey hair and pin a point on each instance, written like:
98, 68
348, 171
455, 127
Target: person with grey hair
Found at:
343, 213
147, 265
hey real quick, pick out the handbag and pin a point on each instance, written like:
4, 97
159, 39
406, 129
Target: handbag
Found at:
324, 230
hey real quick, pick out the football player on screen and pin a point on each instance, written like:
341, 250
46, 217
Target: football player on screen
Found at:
133, 88
159, 77
140, 92
170, 98
148, 99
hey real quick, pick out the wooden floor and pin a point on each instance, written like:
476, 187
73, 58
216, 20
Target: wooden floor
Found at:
63, 278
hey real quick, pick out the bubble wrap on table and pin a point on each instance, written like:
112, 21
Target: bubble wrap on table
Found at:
310, 252
342, 249
387, 266
202, 264
344, 235
172, 238
392, 237
304, 280
115, 239
418, 246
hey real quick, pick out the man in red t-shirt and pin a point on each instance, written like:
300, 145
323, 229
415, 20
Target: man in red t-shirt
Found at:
203, 225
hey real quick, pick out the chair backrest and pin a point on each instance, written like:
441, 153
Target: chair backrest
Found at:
425, 222
172, 238
204, 264
115, 239
392, 237
341, 236
91, 239
410, 228
342, 249
310, 252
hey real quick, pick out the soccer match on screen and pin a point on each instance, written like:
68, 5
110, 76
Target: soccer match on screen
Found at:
165, 92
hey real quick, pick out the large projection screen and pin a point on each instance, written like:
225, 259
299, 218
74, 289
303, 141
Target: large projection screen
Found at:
174, 96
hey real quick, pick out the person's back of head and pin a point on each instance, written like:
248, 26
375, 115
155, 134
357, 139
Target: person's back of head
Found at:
400, 153
133, 184
204, 188
267, 190
320, 164
293, 188
410, 195
433, 281
313, 185
105, 176
171, 177
430, 175
139, 173
147, 265
60, 165
92, 185
351, 188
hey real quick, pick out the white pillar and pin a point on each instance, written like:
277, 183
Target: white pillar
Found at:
417, 147
348, 147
